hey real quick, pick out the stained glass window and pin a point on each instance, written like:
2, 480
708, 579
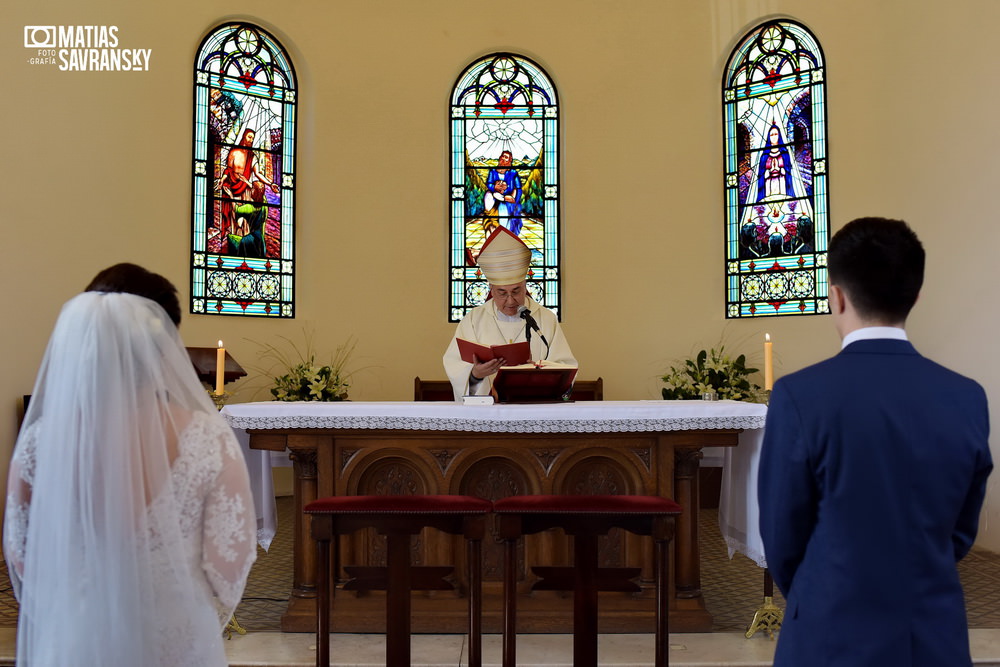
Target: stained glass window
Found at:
777, 206
243, 221
504, 169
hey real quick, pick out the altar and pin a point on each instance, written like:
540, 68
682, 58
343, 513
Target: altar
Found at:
612, 447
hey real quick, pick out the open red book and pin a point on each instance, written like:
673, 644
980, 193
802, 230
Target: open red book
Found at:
530, 383
514, 354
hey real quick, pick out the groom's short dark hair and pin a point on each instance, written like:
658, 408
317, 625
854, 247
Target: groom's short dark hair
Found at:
879, 263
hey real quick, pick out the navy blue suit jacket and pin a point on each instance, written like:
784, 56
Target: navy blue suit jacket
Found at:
872, 474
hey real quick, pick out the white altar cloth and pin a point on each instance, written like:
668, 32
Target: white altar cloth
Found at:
740, 527
576, 417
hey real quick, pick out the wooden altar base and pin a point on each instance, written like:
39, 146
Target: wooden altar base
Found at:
353, 461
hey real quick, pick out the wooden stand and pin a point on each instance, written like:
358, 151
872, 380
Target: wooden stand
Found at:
203, 360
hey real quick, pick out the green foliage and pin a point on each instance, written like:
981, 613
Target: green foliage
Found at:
533, 193
475, 188
303, 378
308, 382
711, 370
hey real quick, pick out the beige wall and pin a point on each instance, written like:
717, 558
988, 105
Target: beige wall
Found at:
97, 165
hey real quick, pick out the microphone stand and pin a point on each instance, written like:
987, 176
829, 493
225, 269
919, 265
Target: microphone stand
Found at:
528, 336
525, 315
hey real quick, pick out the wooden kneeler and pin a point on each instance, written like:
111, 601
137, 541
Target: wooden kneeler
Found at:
585, 518
398, 518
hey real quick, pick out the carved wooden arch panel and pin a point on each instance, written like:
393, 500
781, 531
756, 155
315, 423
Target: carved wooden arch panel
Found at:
371, 471
493, 478
606, 476
596, 475
600, 471
393, 476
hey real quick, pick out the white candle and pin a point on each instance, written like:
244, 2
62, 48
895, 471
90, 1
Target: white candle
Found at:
220, 369
768, 363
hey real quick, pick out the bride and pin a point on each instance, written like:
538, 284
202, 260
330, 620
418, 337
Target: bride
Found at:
129, 529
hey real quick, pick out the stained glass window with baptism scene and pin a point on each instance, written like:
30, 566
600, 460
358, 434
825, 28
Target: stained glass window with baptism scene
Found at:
243, 221
777, 212
504, 169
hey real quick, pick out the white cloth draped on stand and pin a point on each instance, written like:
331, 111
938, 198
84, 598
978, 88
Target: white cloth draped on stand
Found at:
738, 512
259, 464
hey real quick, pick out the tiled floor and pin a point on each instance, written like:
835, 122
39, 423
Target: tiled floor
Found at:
690, 650
732, 588
729, 649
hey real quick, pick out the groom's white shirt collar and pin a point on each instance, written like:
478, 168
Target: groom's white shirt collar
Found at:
870, 333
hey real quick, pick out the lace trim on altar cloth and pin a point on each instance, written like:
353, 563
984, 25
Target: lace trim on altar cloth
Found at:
498, 426
264, 536
735, 545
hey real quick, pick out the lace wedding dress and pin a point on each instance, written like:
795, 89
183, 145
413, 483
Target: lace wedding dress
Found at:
129, 528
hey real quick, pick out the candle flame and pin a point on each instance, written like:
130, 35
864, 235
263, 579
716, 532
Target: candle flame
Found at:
767, 339
220, 343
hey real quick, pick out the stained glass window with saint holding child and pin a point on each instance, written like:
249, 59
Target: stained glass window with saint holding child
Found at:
504, 167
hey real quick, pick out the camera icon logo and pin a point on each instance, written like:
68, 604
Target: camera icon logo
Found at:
39, 36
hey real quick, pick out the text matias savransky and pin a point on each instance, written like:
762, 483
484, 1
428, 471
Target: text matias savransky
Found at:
83, 48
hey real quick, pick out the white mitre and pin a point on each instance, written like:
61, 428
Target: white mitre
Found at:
504, 258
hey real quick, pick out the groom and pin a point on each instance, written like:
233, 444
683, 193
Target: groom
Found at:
872, 474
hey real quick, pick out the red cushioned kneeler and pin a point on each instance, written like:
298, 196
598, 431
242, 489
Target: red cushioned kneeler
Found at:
398, 517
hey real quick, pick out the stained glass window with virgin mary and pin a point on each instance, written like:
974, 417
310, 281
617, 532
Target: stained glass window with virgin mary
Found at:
777, 212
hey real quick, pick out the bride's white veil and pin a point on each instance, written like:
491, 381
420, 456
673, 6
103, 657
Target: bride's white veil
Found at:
115, 389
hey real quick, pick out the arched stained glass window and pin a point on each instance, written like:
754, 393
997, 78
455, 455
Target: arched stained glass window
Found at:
777, 206
243, 222
504, 172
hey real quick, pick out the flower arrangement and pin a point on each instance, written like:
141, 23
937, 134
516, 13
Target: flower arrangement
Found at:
711, 371
304, 379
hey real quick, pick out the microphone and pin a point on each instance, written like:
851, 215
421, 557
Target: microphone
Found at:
525, 314
529, 324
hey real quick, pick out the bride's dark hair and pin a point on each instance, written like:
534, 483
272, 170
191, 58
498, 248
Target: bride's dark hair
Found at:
133, 279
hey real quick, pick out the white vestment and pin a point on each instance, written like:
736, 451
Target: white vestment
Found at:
481, 326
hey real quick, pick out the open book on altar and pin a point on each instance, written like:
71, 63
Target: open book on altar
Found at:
513, 353
544, 382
